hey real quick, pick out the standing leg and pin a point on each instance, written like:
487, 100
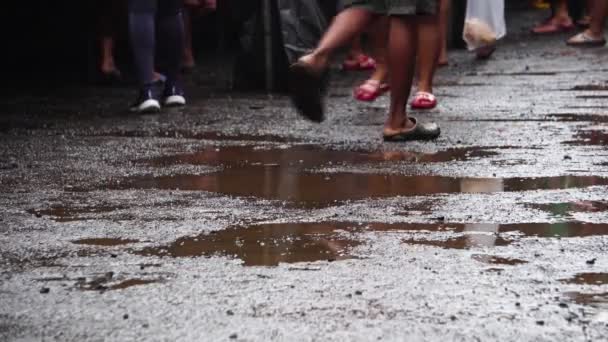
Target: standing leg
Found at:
377, 85
429, 45
402, 59
444, 20
560, 21
108, 10
402, 48
188, 58
142, 33
171, 40
594, 35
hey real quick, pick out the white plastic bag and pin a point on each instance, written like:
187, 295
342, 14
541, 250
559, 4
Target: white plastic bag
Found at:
484, 23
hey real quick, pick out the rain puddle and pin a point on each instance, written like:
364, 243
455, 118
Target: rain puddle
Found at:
594, 300
590, 138
216, 136
590, 87
308, 156
105, 242
565, 209
271, 244
462, 242
325, 189
108, 282
267, 245
588, 279
69, 214
496, 260
579, 117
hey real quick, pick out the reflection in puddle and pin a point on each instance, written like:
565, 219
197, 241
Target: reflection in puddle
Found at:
314, 189
267, 245
492, 259
216, 136
271, 244
108, 242
69, 214
462, 242
565, 209
588, 279
107, 281
307, 156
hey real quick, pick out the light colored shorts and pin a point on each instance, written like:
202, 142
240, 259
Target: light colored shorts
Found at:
396, 7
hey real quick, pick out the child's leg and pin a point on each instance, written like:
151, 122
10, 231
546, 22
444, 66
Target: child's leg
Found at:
444, 18
345, 27
401, 58
428, 51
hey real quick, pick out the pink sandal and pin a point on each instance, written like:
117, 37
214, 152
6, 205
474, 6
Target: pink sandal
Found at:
424, 100
370, 90
361, 62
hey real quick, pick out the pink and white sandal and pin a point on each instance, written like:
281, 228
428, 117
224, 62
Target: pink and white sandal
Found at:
370, 90
424, 100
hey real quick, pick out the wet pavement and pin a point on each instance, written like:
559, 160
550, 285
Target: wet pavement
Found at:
233, 219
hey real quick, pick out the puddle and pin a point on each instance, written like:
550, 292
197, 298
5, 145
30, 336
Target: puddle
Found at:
217, 136
590, 87
267, 245
588, 279
107, 281
307, 156
565, 209
579, 117
323, 189
133, 282
106, 242
69, 214
594, 300
590, 138
496, 260
463, 242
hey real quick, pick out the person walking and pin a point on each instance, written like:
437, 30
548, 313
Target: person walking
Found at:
146, 19
593, 36
406, 18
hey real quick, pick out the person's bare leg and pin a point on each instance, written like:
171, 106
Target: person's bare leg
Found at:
598, 19
108, 65
560, 19
402, 59
188, 58
345, 27
428, 51
380, 54
444, 18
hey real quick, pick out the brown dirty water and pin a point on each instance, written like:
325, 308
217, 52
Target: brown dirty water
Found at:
588, 279
565, 209
266, 245
325, 189
462, 242
594, 300
579, 117
69, 214
133, 282
106, 242
590, 138
307, 156
216, 136
496, 260
591, 87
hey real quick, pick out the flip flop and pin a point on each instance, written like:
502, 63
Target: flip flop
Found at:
370, 90
428, 131
424, 100
306, 91
550, 27
360, 63
584, 40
